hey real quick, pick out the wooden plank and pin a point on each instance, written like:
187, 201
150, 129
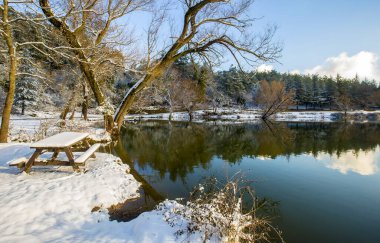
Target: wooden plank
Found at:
60, 140
55, 163
87, 154
16, 162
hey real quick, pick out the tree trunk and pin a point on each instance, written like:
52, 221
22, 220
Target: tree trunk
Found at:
170, 113
23, 108
69, 104
84, 65
127, 102
7, 35
85, 102
130, 96
190, 115
72, 114
64, 113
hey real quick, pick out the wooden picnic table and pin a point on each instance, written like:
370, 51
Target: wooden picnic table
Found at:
57, 143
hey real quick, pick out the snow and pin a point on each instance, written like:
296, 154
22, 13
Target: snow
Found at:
249, 115
60, 140
55, 204
308, 116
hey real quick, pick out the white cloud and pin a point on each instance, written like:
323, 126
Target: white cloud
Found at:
363, 163
264, 68
365, 64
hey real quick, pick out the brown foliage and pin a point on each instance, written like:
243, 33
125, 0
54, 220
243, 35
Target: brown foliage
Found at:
273, 97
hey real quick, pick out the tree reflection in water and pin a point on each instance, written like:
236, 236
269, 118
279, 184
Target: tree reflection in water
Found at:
177, 148
332, 168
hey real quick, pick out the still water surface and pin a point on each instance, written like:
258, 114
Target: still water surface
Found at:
325, 176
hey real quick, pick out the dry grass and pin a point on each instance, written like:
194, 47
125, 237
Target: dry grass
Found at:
216, 209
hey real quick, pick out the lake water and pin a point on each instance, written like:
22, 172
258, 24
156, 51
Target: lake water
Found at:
324, 176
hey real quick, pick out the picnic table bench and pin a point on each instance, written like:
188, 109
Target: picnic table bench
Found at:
57, 143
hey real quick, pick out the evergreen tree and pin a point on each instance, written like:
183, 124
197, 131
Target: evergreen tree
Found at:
27, 88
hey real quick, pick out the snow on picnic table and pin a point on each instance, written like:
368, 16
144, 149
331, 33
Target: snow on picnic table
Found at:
54, 203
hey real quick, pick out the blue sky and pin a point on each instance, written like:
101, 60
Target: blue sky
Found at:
313, 30
318, 36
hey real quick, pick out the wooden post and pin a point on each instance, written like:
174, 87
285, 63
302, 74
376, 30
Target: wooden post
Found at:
70, 156
30, 162
56, 153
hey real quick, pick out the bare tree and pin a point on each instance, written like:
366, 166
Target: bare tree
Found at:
215, 97
209, 28
344, 103
177, 93
273, 98
187, 95
85, 25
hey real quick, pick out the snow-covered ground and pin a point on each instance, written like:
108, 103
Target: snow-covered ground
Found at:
56, 204
250, 115
312, 116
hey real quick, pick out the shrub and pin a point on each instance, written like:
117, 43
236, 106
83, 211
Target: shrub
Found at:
217, 210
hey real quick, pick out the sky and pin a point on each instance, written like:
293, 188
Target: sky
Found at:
323, 37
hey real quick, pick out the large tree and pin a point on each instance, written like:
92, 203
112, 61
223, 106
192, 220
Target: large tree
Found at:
85, 24
23, 33
209, 28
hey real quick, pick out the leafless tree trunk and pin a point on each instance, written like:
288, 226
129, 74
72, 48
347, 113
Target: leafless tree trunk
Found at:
72, 114
63, 114
69, 105
85, 102
6, 33
78, 49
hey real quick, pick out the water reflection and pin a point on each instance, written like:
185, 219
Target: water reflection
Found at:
362, 162
324, 176
178, 148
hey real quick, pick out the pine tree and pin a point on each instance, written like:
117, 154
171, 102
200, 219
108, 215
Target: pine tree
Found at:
27, 94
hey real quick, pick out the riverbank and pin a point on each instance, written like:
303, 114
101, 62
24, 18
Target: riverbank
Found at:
255, 115
36, 125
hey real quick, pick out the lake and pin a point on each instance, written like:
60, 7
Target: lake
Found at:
324, 176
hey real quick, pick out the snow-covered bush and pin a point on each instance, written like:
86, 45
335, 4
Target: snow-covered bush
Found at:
106, 109
216, 210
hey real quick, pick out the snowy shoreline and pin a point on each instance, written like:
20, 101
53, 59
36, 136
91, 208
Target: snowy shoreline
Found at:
56, 204
37, 125
255, 115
